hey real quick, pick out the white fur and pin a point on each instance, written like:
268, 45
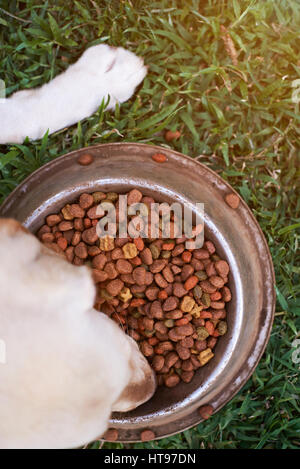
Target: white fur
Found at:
73, 95
67, 365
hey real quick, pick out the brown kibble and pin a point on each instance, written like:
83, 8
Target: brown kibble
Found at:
184, 330
99, 276
111, 270
159, 158
183, 352
76, 211
85, 159
99, 261
158, 362
86, 201
111, 434
187, 376
48, 237
70, 253
232, 200
222, 268
65, 226
171, 358
161, 282
170, 303
53, 220
169, 135
226, 294
146, 349
114, 287
123, 266
139, 275
205, 411
152, 293
146, 256
207, 287
156, 310
216, 281
62, 243
158, 266
179, 290
90, 236
147, 435
172, 380
81, 251
76, 238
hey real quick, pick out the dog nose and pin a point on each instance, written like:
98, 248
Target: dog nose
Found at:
142, 384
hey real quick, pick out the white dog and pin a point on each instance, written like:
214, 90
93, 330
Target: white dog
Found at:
67, 366
73, 95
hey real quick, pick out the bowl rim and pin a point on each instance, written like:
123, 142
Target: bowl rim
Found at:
171, 154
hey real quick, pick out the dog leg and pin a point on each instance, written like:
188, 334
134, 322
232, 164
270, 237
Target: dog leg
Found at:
73, 95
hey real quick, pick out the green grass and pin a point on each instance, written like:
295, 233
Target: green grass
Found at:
236, 115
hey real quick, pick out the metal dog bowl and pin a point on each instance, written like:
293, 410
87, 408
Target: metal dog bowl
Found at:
236, 234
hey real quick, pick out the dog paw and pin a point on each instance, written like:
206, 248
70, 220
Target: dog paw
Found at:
121, 71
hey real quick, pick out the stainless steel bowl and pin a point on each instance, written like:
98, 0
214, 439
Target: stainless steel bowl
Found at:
236, 234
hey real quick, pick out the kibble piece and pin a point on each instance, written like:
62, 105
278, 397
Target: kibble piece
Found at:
206, 411
187, 304
114, 287
107, 243
226, 294
90, 236
187, 376
222, 268
170, 303
85, 159
156, 310
158, 362
139, 275
66, 211
232, 200
65, 226
159, 158
98, 196
123, 266
202, 333
172, 380
99, 261
205, 356
222, 327
152, 293
130, 250
53, 220
81, 251
111, 434
216, 281
147, 435
134, 196
99, 276
86, 201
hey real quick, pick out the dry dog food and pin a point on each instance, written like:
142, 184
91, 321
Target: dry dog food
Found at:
170, 299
